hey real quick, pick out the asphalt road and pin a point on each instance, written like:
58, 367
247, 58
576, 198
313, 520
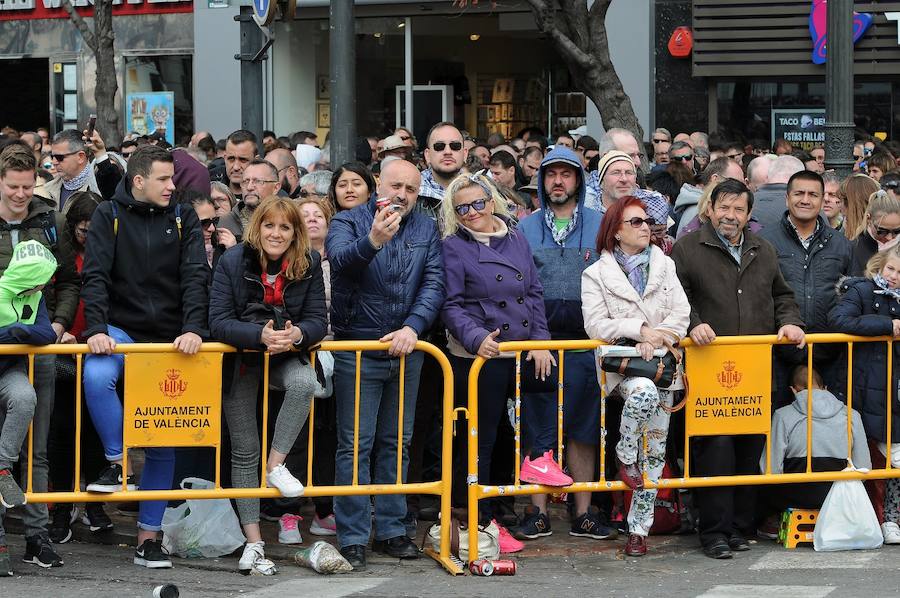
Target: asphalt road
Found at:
554, 566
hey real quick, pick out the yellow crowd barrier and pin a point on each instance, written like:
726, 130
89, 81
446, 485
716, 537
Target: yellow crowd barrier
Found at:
729, 394
175, 400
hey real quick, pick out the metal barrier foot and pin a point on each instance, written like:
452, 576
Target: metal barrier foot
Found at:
451, 564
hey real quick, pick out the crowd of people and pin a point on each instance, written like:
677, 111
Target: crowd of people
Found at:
266, 245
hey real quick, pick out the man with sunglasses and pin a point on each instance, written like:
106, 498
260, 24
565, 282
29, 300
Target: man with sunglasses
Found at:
562, 236
75, 171
682, 152
445, 154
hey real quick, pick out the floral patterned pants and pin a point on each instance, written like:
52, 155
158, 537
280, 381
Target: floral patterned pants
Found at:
892, 500
643, 413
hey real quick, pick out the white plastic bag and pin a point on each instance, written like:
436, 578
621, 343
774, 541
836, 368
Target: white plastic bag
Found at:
847, 520
201, 528
326, 360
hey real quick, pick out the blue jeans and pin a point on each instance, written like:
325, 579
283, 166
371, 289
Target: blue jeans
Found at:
101, 375
378, 412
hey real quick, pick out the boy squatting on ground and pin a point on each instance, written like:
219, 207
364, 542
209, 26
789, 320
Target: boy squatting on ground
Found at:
23, 320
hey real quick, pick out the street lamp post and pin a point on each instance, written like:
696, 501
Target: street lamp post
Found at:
342, 42
839, 88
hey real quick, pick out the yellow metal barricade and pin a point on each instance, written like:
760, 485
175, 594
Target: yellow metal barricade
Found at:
175, 400
729, 394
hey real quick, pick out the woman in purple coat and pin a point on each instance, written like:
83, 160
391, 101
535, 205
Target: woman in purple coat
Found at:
493, 295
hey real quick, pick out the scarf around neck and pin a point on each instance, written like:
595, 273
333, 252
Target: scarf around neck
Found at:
79, 181
884, 288
636, 267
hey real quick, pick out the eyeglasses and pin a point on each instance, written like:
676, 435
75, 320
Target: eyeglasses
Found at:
478, 205
207, 221
637, 222
61, 157
660, 141
890, 185
304, 194
734, 156
256, 182
687, 158
439, 146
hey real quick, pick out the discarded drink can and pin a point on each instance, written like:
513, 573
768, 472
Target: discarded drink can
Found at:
486, 568
482, 567
168, 590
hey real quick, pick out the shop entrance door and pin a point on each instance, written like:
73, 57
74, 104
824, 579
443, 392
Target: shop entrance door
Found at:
26, 106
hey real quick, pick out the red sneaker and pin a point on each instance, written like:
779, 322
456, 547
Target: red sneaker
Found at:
508, 544
544, 471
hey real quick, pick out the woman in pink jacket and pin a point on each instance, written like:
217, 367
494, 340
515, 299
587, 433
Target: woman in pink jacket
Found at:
632, 293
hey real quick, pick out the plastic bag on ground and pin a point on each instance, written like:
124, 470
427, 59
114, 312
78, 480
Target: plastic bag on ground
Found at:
322, 557
847, 520
201, 528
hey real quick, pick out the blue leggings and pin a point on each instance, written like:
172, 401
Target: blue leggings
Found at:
101, 375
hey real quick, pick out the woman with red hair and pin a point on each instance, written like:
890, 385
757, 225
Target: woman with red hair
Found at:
632, 293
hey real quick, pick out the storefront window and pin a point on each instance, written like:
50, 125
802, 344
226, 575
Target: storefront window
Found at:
744, 107
159, 74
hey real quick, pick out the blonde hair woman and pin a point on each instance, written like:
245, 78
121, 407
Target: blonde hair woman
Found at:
268, 294
879, 229
856, 190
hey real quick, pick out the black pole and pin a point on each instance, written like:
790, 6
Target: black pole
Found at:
342, 43
839, 88
251, 74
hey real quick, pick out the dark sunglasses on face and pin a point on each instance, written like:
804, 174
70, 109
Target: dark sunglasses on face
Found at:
478, 205
439, 146
660, 141
637, 222
207, 221
884, 232
61, 157
683, 158
890, 185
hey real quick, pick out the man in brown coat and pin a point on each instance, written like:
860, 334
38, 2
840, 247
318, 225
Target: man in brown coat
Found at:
735, 287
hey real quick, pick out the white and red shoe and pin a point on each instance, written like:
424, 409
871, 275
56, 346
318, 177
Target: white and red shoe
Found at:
544, 471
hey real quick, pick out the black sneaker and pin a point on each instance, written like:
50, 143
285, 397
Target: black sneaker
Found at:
110, 480
152, 555
356, 556
61, 521
96, 519
128, 509
400, 547
534, 525
39, 551
591, 525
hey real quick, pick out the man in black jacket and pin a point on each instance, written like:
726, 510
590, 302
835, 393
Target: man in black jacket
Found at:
812, 257
145, 276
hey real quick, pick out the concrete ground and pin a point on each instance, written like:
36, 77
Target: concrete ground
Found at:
558, 565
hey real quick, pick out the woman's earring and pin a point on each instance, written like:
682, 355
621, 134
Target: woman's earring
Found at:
618, 238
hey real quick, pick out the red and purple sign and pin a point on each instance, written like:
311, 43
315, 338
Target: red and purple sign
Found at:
52, 9
818, 26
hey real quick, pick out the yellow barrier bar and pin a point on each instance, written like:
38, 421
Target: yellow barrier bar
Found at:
263, 443
891, 389
559, 409
400, 406
809, 409
77, 477
518, 422
849, 400
356, 420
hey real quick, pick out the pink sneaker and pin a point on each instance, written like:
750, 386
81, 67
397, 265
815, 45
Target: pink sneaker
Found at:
289, 530
544, 471
508, 544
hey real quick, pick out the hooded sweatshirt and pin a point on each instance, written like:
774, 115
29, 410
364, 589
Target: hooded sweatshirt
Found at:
560, 263
829, 435
31, 265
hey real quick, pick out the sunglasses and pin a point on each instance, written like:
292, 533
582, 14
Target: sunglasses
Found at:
683, 158
637, 222
61, 157
890, 185
884, 232
734, 156
207, 221
477, 205
439, 146
660, 141
304, 194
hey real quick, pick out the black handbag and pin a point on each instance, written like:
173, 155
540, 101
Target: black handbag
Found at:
661, 370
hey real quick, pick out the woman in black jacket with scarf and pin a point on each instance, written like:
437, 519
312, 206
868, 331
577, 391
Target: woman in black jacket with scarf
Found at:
268, 294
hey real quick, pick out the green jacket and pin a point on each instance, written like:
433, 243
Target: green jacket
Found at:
32, 265
45, 225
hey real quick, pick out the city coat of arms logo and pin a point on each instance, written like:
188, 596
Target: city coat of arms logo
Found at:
729, 377
173, 386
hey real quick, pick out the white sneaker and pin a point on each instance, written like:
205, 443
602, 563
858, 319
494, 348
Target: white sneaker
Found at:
891, 532
323, 527
289, 529
254, 562
895, 453
286, 483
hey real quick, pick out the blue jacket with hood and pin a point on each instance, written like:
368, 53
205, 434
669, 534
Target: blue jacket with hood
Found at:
560, 265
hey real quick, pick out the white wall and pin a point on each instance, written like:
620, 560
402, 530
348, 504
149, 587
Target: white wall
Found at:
629, 30
217, 75
294, 58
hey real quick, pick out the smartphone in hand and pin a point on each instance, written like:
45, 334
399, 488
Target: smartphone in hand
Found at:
92, 122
